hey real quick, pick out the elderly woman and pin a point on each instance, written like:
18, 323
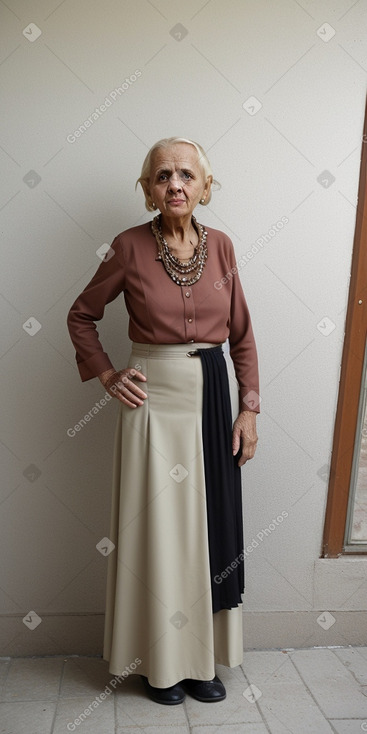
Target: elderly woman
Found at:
176, 575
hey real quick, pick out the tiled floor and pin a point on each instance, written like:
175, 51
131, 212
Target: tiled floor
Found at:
315, 691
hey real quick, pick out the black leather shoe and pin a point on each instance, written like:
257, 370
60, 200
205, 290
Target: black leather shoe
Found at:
169, 696
205, 690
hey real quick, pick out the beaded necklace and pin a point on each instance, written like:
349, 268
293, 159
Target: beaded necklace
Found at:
181, 273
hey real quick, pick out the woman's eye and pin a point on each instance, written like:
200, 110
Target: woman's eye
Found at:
163, 177
186, 174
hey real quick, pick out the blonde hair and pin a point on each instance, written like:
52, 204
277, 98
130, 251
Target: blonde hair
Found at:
167, 143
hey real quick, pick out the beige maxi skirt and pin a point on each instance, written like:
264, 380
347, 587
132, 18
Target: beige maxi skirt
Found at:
159, 601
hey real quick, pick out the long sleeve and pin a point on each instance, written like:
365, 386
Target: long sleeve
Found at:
242, 345
89, 307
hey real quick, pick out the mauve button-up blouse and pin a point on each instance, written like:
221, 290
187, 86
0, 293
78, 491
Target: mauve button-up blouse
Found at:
162, 312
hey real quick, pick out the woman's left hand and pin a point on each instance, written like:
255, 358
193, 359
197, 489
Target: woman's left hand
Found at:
244, 429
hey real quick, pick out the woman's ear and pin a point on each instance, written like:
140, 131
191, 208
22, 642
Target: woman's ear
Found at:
145, 187
208, 184
147, 194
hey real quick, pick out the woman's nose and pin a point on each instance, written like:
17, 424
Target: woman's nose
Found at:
175, 182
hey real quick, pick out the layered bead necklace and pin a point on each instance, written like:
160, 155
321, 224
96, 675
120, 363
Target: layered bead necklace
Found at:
182, 273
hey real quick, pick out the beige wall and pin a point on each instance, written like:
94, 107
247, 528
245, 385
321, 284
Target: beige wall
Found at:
62, 197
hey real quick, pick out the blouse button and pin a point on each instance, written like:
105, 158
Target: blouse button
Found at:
187, 294
190, 321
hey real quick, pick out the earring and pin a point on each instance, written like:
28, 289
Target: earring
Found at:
202, 201
154, 205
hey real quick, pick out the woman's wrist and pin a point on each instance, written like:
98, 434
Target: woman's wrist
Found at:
103, 377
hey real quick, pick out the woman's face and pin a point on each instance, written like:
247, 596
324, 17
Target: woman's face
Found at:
176, 181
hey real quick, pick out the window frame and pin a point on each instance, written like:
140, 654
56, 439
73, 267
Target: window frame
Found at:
351, 374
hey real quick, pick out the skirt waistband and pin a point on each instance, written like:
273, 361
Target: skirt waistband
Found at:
170, 351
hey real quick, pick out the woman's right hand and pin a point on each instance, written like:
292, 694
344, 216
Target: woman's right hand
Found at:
120, 385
